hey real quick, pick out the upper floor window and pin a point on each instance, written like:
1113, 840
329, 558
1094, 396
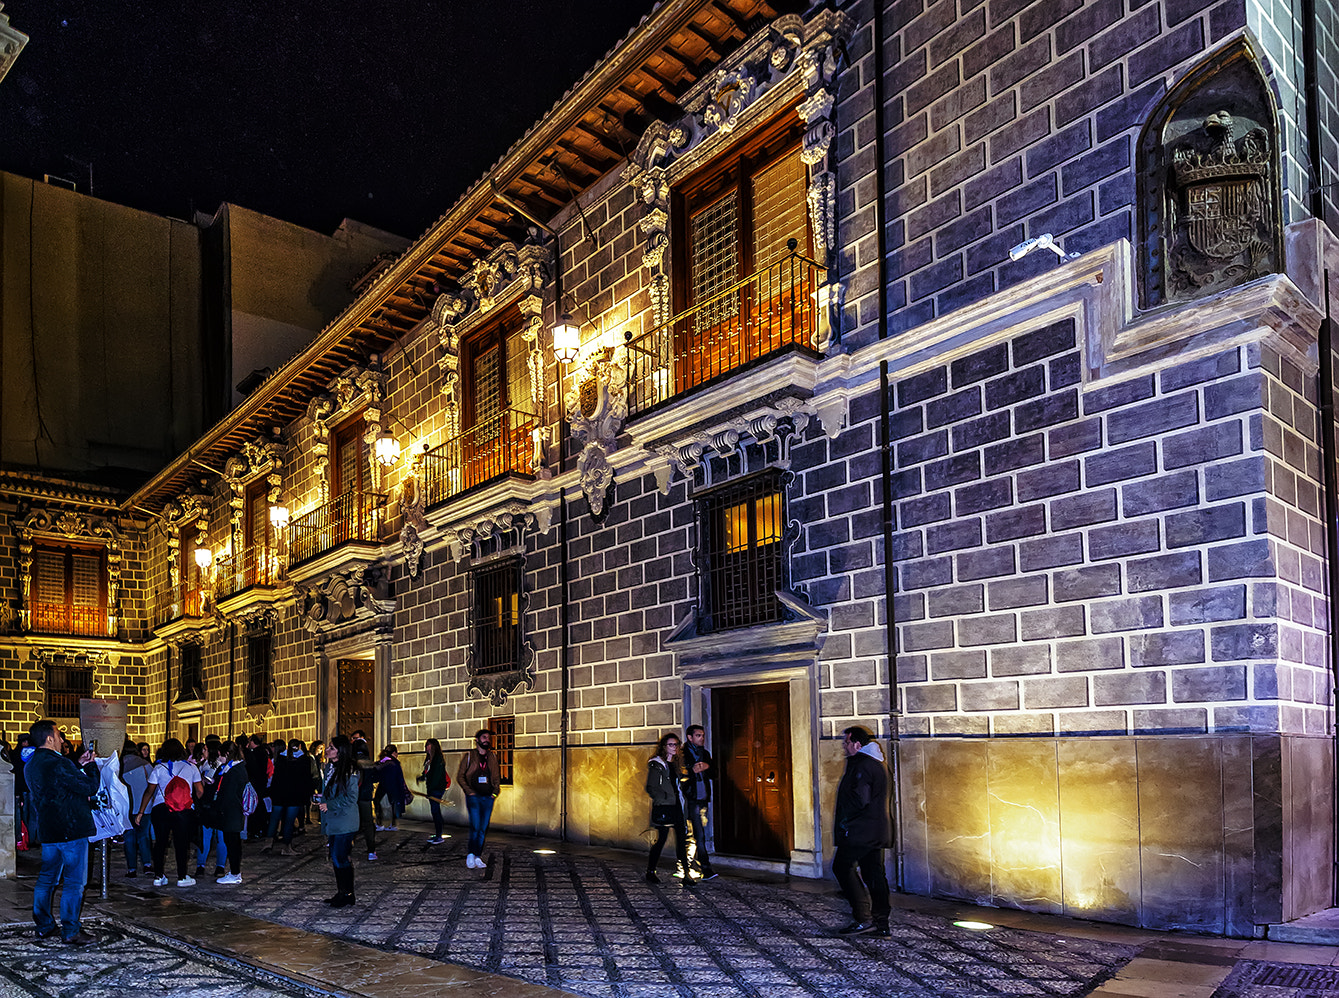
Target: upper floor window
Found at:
348, 467
497, 617
740, 529
69, 590
66, 685
497, 417
259, 668
191, 676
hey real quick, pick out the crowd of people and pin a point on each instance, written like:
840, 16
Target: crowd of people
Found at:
214, 794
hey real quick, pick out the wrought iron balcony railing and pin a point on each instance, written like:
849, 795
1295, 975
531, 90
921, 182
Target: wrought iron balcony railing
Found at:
176, 604
253, 566
763, 314
354, 516
488, 450
65, 618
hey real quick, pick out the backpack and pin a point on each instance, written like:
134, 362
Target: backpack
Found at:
249, 799
177, 793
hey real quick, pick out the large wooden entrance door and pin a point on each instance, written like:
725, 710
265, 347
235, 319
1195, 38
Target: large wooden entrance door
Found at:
356, 696
754, 816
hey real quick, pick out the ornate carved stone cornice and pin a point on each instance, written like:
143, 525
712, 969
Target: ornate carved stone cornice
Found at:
774, 429
500, 530
355, 595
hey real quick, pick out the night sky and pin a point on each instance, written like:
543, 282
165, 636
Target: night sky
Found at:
308, 110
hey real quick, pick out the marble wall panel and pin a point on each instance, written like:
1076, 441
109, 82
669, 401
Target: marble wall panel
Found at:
1239, 887
1308, 841
831, 765
1024, 816
1181, 832
1099, 820
957, 820
1267, 788
915, 844
8, 829
634, 816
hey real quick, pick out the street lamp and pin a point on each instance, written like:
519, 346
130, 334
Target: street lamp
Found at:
566, 340
203, 556
386, 449
278, 516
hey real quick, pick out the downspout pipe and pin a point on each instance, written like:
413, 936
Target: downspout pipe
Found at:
1325, 389
885, 448
564, 689
1311, 88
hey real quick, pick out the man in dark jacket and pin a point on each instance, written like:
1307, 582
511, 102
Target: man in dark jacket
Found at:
61, 793
861, 833
700, 771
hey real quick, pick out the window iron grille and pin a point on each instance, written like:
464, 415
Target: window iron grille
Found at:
259, 668
192, 676
504, 745
741, 528
497, 618
66, 685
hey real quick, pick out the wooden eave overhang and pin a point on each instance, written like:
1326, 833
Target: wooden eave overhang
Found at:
590, 131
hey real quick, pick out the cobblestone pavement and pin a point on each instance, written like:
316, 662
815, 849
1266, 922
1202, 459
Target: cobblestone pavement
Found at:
586, 922
127, 960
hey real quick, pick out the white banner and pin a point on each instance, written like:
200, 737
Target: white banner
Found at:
111, 805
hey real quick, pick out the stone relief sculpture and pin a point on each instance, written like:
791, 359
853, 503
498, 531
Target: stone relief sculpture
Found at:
357, 594
411, 510
596, 407
1210, 186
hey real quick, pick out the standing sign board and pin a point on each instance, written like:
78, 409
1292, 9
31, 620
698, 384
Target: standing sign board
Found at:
103, 725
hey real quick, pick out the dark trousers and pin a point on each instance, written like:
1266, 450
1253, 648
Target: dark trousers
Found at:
697, 845
367, 825
180, 826
233, 840
283, 816
436, 817
680, 845
867, 890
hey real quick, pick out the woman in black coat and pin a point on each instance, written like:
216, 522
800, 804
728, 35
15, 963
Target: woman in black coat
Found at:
662, 785
232, 783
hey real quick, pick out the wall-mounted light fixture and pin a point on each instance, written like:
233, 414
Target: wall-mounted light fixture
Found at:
1043, 241
203, 556
566, 340
386, 449
278, 516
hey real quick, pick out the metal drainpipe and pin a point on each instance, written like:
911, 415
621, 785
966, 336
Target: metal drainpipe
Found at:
232, 674
889, 570
1325, 387
564, 687
1311, 88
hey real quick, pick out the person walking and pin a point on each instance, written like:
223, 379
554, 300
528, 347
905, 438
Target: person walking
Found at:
699, 771
391, 787
340, 817
60, 792
138, 839
480, 780
861, 833
232, 781
207, 814
435, 784
367, 791
174, 786
662, 784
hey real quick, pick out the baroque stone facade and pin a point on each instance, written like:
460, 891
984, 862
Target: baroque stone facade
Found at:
1088, 525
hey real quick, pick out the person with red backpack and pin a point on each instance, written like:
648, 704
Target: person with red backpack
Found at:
174, 787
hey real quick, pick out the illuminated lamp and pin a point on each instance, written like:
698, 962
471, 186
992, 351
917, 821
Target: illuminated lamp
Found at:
203, 556
278, 516
566, 340
386, 450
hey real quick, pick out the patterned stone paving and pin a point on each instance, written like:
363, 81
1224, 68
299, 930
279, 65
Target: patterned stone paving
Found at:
1257, 979
127, 960
590, 924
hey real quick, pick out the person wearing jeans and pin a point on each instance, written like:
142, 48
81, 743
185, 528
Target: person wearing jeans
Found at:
288, 791
339, 816
61, 793
435, 782
480, 780
138, 838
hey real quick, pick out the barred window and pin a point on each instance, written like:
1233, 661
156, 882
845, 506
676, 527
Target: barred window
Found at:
66, 685
497, 617
69, 590
259, 668
192, 675
740, 531
504, 744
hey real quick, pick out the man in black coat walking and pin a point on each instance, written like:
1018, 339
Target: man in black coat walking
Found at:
861, 832
700, 771
61, 794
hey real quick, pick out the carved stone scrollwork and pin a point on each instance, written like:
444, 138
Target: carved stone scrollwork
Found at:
356, 387
596, 407
501, 531
773, 430
1210, 188
352, 595
411, 509
263, 456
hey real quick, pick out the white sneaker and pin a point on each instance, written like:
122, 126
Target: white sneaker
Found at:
470, 861
372, 856
230, 878
160, 881
186, 882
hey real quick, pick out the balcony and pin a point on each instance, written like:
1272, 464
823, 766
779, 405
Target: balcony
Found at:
486, 451
182, 604
768, 313
251, 577
68, 619
355, 518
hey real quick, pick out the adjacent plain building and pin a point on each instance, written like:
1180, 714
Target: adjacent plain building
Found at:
952, 368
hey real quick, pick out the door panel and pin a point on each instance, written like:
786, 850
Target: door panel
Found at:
356, 696
754, 814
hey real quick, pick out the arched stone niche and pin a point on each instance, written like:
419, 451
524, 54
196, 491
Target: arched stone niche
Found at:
1210, 198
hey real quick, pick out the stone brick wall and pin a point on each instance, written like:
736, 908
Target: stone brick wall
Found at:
1071, 560
1006, 119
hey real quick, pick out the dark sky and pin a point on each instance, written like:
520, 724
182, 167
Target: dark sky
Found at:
308, 110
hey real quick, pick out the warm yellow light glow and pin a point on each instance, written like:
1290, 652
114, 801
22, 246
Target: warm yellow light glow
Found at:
387, 451
546, 852
976, 926
279, 516
566, 340
203, 556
